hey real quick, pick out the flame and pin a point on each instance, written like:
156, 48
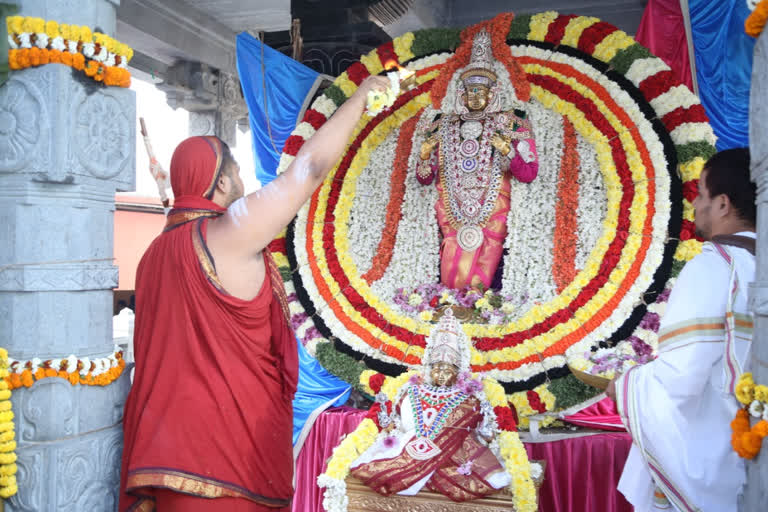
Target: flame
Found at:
403, 73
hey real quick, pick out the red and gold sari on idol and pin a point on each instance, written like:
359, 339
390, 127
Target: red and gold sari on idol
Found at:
209, 414
458, 448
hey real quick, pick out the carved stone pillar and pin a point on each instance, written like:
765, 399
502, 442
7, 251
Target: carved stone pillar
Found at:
212, 97
66, 145
756, 494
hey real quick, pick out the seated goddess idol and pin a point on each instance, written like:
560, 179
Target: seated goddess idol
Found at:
440, 433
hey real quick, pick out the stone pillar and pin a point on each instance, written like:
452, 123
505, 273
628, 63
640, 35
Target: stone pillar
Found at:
212, 97
756, 493
66, 145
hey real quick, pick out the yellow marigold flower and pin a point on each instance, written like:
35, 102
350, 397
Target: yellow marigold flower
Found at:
85, 35
761, 393
372, 62
8, 469
745, 389
403, 46
52, 29
14, 24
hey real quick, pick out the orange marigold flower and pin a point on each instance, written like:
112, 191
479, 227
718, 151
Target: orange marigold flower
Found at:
54, 56
24, 58
39, 374
44, 57
750, 444
78, 61
50, 372
13, 59
14, 381
755, 22
63, 374
74, 378
26, 378
34, 56
66, 58
761, 429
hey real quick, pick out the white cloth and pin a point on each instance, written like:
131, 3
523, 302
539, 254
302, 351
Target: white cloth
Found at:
677, 407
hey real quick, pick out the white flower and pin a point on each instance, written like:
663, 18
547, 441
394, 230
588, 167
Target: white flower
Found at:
86, 366
58, 44
535, 470
36, 362
756, 409
12, 42
110, 59
72, 46
25, 40
42, 40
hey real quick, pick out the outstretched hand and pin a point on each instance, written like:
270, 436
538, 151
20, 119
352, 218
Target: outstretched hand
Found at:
371, 83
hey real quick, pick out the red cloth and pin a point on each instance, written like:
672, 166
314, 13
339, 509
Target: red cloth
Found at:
662, 30
210, 410
581, 476
602, 415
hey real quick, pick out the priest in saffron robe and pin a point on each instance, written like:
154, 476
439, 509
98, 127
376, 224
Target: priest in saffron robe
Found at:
442, 430
678, 408
208, 422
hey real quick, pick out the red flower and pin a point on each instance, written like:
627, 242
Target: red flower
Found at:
687, 230
535, 401
691, 190
433, 303
293, 144
387, 55
357, 73
505, 418
375, 382
315, 118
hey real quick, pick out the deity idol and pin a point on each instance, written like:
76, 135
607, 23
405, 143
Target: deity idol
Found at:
441, 429
473, 152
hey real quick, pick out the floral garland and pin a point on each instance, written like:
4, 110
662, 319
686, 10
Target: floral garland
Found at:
8, 467
35, 42
746, 440
506, 444
84, 371
632, 126
755, 22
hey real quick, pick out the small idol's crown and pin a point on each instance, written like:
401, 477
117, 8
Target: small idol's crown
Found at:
445, 341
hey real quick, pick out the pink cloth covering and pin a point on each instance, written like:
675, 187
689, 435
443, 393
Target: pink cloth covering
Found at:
581, 476
603, 415
662, 30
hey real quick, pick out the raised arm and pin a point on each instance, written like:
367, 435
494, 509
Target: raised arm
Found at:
255, 220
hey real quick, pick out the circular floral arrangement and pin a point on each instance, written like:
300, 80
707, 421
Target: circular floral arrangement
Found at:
592, 243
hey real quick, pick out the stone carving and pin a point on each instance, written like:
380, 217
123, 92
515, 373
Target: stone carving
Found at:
202, 123
103, 139
47, 411
77, 468
30, 467
58, 278
21, 118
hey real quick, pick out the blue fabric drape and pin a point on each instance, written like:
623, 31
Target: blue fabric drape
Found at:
316, 388
723, 67
287, 83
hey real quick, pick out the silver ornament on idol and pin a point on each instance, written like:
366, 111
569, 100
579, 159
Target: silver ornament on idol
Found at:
471, 129
469, 237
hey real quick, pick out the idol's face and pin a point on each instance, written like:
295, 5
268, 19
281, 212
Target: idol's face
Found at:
477, 97
443, 374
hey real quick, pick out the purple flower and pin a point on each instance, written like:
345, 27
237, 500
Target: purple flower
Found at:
298, 319
664, 296
465, 469
292, 297
640, 347
389, 441
415, 380
311, 334
650, 321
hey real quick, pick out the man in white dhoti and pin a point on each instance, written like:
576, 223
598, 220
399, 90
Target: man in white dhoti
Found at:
678, 407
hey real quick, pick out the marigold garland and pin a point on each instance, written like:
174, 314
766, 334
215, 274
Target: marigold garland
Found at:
8, 467
84, 371
746, 440
755, 22
36, 42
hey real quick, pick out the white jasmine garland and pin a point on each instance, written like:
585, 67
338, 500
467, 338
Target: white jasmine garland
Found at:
693, 132
25, 40
88, 49
41, 41
645, 68
305, 130
58, 44
12, 42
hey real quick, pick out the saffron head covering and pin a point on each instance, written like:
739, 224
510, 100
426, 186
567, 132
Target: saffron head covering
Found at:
196, 166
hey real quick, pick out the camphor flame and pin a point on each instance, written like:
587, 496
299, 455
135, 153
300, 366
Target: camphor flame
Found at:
405, 76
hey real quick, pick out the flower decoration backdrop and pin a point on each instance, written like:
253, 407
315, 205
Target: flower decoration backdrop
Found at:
593, 242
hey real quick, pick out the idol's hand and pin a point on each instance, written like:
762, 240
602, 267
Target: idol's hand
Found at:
501, 144
427, 147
